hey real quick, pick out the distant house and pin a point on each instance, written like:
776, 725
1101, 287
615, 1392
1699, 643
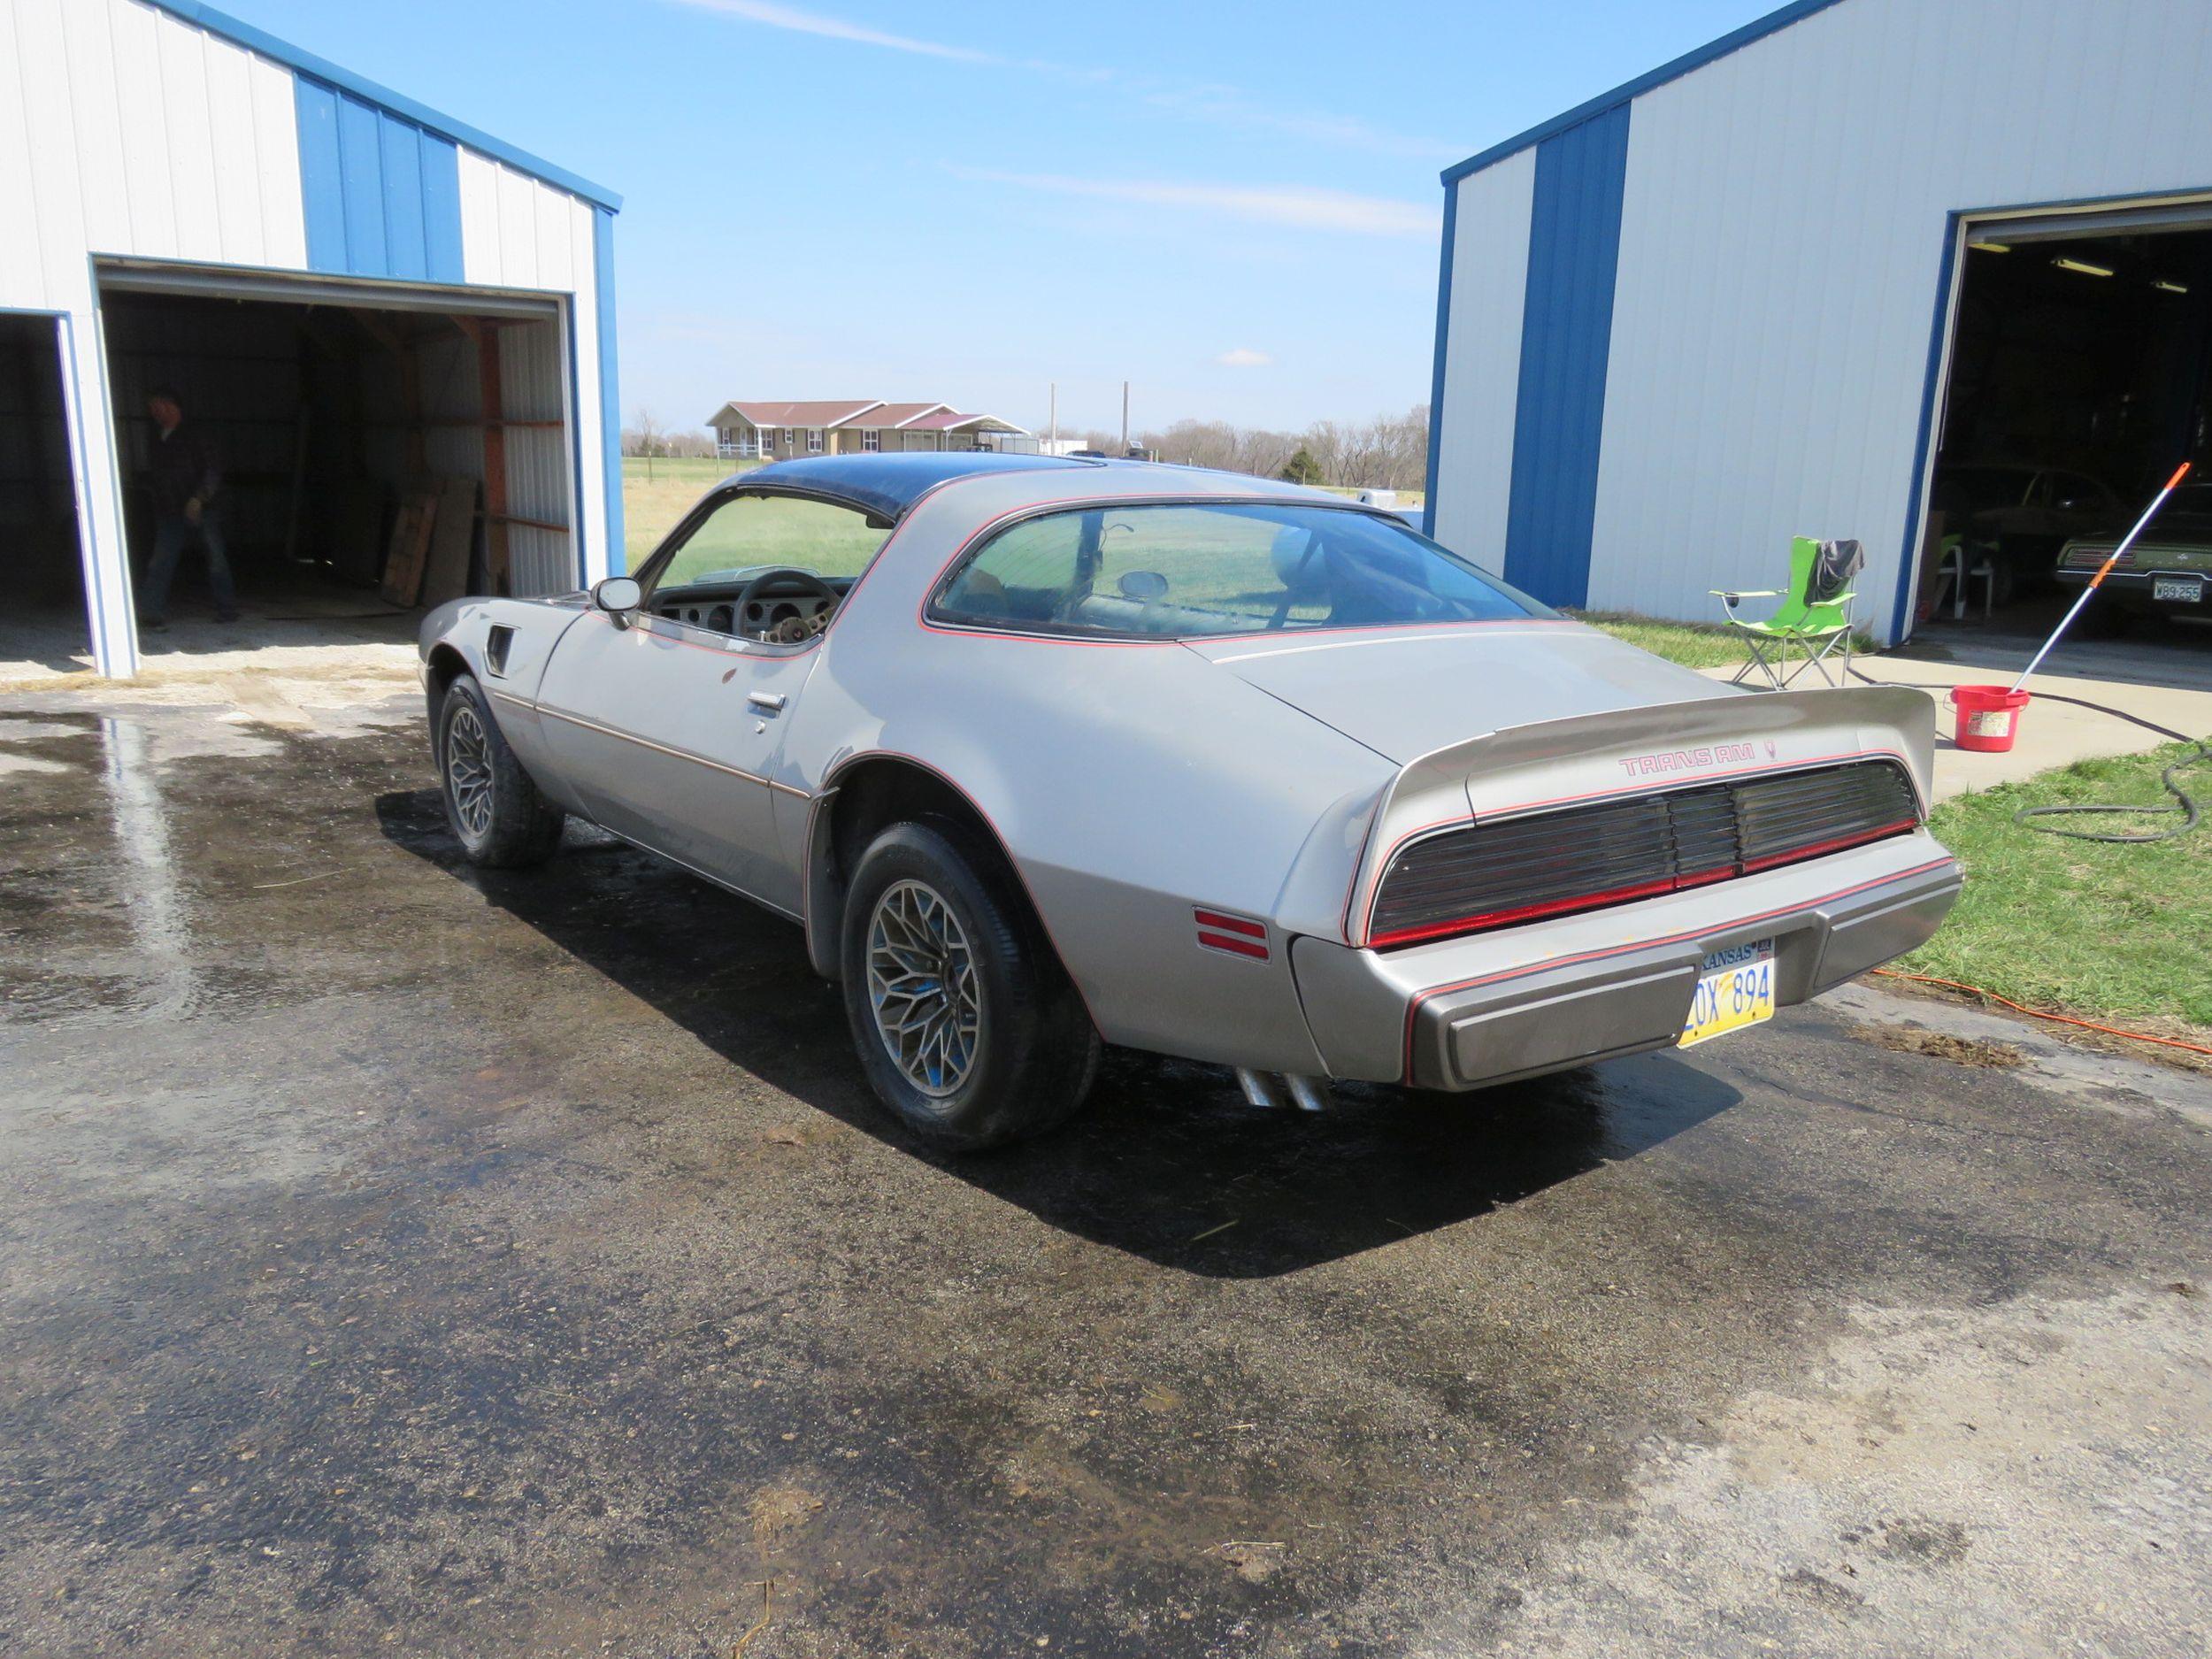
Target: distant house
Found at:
776, 432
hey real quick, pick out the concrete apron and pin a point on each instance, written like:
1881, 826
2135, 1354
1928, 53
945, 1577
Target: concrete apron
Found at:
2051, 734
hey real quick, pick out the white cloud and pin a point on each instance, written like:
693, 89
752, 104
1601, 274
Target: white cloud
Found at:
1222, 105
1232, 107
1295, 205
782, 17
1244, 357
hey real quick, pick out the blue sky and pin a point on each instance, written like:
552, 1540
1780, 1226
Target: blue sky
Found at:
1236, 207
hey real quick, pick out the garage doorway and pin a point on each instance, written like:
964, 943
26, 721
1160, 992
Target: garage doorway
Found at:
2079, 372
44, 561
381, 450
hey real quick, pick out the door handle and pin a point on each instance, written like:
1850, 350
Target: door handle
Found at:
767, 701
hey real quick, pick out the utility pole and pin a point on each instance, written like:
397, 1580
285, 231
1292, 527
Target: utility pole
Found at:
1125, 417
1052, 402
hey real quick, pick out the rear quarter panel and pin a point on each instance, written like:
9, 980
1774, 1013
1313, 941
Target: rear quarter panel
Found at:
1131, 787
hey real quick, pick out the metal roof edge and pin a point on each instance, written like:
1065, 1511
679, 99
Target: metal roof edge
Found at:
306, 63
1758, 29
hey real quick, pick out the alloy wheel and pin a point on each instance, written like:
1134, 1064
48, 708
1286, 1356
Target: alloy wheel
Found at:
468, 771
922, 988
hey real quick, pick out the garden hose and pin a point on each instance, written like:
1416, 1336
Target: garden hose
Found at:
2184, 804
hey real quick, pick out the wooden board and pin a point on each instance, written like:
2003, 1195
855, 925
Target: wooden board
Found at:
410, 549
452, 538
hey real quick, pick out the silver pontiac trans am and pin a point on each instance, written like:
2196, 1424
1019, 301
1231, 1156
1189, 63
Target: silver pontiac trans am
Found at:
1044, 754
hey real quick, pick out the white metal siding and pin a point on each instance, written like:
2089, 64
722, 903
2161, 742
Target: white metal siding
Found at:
1482, 366
138, 134
518, 233
533, 387
1781, 244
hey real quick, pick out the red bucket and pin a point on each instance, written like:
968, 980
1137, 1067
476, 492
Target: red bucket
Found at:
1989, 716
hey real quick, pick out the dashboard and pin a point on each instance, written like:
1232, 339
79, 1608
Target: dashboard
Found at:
784, 613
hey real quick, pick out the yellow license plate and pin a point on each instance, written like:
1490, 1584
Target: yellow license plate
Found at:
1735, 988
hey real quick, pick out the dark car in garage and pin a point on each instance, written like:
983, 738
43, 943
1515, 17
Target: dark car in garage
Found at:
2168, 572
2022, 515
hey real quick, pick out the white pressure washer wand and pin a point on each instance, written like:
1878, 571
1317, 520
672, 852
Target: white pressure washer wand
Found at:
2103, 571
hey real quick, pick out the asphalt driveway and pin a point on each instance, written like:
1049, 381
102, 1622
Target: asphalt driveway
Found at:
398, 1259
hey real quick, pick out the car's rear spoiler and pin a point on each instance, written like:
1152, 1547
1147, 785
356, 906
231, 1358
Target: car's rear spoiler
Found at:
1551, 764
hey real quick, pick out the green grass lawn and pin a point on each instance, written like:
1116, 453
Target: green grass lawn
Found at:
657, 492
2074, 926
1691, 644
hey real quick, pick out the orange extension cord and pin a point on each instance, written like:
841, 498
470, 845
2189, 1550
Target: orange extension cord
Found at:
2037, 1013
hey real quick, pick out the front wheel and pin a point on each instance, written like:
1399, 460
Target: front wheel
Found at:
965, 1022
501, 821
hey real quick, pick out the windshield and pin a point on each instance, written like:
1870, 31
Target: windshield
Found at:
1190, 570
745, 533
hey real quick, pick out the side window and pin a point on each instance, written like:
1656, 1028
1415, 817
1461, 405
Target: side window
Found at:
745, 532
1026, 574
1193, 571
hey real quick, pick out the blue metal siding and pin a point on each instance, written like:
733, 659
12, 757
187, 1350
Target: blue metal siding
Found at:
441, 209
1566, 334
309, 66
320, 196
382, 196
399, 154
1436, 371
610, 392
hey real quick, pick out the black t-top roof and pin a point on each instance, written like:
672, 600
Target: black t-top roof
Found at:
888, 485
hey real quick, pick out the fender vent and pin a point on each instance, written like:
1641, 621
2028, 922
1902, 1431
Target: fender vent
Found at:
1549, 863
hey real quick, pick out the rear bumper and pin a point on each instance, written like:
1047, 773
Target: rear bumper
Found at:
1469, 1013
2136, 585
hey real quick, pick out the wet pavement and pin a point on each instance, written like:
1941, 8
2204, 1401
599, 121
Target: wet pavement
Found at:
399, 1259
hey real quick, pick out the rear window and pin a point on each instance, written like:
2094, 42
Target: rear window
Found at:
1189, 571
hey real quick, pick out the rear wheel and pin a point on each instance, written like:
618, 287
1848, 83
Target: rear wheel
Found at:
967, 1025
501, 821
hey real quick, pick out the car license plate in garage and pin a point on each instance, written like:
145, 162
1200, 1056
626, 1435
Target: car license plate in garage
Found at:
1735, 988
2177, 590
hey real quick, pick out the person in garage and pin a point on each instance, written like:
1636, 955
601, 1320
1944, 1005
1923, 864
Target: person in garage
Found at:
183, 479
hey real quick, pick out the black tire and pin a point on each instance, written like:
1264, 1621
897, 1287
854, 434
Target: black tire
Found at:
1033, 1051
497, 815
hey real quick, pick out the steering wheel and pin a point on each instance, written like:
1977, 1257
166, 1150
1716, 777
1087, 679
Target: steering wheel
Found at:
806, 581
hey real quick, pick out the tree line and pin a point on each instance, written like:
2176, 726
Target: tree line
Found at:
1388, 452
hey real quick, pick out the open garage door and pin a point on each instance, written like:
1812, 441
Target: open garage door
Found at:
381, 449
2079, 372
39, 548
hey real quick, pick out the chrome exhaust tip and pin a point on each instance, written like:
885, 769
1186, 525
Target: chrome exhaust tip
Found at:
1259, 1089
1308, 1094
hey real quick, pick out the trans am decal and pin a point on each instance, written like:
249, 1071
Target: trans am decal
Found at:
1698, 759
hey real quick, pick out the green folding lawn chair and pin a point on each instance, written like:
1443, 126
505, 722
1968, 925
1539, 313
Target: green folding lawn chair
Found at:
1812, 626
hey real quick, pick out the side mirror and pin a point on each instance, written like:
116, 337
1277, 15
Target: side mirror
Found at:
618, 596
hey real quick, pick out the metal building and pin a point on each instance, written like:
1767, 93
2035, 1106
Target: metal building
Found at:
1806, 279
356, 293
